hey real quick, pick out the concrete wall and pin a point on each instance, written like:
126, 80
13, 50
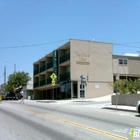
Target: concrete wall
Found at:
126, 99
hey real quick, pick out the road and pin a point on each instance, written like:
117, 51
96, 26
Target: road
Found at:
63, 121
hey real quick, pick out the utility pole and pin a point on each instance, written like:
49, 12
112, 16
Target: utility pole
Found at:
5, 75
117, 78
14, 65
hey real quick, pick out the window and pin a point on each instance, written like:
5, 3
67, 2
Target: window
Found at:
82, 94
120, 61
82, 86
123, 61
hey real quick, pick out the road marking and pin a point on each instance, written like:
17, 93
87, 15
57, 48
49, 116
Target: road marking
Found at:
79, 125
125, 130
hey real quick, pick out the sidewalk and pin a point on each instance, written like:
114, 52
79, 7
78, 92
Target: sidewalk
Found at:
102, 102
105, 105
121, 108
113, 107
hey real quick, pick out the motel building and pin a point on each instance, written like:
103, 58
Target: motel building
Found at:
81, 69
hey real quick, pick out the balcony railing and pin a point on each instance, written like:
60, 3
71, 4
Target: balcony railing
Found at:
36, 71
43, 68
36, 84
65, 76
50, 65
42, 82
65, 58
49, 80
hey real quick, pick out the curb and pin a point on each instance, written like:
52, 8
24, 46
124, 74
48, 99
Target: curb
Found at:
120, 109
46, 101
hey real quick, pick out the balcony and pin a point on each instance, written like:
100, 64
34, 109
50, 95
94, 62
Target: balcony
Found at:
50, 65
49, 80
65, 76
42, 82
36, 71
36, 84
65, 58
43, 68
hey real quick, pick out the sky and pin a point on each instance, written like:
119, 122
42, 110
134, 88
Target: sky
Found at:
30, 29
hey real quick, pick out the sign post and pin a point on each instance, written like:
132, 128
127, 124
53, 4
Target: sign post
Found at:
53, 77
117, 90
82, 91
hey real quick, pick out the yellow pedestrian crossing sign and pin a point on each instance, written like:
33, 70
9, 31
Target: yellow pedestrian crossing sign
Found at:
53, 82
53, 76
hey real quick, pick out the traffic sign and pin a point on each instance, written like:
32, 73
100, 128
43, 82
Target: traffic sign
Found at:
53, 82
82, 77
53, 76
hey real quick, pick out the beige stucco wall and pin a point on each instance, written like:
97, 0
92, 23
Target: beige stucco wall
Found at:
99, 89
133, 67
119, 69
97, 59
96, 89
93, 60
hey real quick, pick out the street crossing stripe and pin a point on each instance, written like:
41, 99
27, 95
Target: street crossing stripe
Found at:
79, 125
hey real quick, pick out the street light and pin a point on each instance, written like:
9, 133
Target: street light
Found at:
14, 65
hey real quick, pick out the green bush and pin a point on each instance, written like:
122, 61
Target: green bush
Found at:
124, 86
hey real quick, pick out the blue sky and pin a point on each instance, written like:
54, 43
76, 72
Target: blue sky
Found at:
54, 22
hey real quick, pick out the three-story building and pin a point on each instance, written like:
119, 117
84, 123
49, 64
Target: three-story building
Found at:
91, 59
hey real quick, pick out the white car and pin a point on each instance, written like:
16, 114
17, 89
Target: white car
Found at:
138, 107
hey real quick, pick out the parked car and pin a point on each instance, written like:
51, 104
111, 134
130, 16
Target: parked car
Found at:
138, 107
11, 96
4, 96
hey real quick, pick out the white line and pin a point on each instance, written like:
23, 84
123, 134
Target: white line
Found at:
120, 131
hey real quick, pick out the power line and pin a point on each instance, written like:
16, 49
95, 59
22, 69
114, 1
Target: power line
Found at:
132, 43
32, 45
126, 45
118, 44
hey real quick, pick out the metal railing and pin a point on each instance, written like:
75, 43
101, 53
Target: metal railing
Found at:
42, 82
49, 80
36, 71
36, 84
43, 68
65, 76
65, 58
50, 65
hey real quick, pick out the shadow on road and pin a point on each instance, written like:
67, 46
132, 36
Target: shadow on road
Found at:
137, 115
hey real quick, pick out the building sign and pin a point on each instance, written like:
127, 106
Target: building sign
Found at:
83, 58
97, 86
55, 62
